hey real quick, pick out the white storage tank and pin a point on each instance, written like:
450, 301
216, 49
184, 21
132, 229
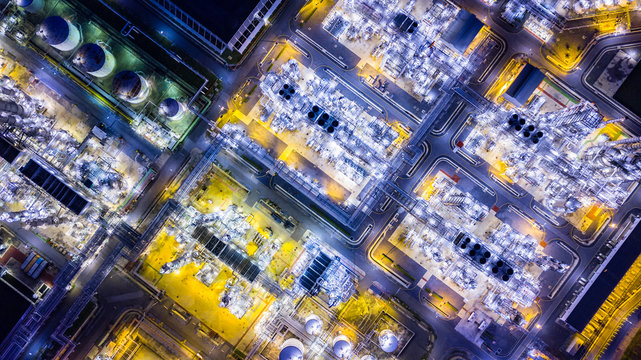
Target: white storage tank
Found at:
342, 347
313, 325
388, 341
130, 86
59, 33
32, 6
292, 349
95, 60
172, 108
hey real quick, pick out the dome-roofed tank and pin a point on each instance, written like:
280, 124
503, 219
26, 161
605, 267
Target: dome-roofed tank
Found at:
172, 108
313, 325
292, 349
59, 33
130, 86
95, 60
32, 6
342, 347
388, 341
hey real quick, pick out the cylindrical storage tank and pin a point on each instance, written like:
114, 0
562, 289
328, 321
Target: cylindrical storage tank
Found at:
313, 325
95, 60
388, 341
32, 6
292, 349
11, 107
59, 33
130, 86
172, 108
342, 347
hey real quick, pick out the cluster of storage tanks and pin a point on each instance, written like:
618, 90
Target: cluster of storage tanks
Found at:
96, 60
342, 347
529, 131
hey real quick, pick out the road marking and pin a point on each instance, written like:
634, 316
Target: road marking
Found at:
321, 49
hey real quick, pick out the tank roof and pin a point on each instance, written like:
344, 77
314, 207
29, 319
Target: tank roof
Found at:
54, 30
169, 107
388, 341
342, 349
290, 353
90, 57
127, 84
313, 325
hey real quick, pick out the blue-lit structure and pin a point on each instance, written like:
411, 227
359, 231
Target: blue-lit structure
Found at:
8, 151
95, 60
129, 86
524, 85
59, 33
54, 187
291, 349
462, 31
171, 108
236, 260
32, 6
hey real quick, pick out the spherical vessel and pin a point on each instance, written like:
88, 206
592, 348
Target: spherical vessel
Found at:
292, 349
342, 347
130, 86
313, 325
59, 33
31, 6
388, 341
95, 60
171, 108
290, 353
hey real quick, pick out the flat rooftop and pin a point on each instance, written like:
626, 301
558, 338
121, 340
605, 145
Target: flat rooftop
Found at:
463, 30
14, 306
223, 18
628, 92
524, 85
7, 151
606, 281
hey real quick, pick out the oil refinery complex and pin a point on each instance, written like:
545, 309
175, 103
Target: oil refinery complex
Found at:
322, 179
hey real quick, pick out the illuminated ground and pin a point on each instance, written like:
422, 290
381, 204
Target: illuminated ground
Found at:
407, 238
218, 191
198, 299
295, 147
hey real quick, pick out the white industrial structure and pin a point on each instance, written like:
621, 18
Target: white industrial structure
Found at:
236, 298
131, 86
553, 152
409, 47
345, 140
342, 347
59, 33
172, 108
95, 59
291, 349
313, 325
32, 6
21, 116
388, 341
505, 260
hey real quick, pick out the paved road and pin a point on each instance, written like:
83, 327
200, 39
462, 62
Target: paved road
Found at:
44, 249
